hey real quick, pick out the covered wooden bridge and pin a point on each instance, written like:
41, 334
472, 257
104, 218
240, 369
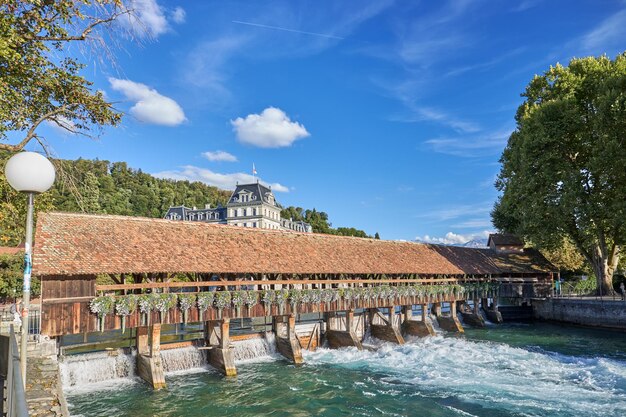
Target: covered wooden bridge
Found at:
174, 272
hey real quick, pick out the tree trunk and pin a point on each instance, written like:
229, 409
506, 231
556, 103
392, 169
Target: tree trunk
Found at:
604, 269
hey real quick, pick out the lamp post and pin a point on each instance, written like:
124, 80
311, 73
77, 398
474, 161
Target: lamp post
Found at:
30, 173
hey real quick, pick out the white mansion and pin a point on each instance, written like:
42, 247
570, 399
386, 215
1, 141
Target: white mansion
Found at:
250, 205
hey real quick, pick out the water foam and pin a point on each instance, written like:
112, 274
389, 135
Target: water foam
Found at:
493, 375
183, 359
255, 349
102, 368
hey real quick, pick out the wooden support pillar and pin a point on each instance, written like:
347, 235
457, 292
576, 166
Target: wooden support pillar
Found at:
143, 346
387, 331
451, 322
407, 312
217, 336
436, 309
493, 315
149, 364
341, 338
421, 327
287, 342
473, 317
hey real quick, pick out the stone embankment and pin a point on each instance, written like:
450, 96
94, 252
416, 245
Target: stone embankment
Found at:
43, 388
582, 311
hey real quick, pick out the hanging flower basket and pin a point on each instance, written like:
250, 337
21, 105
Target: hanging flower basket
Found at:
295, 297
185, 302
222, 301
101, 306
124, 307
204, 301
281, 299
163, 303
268, 297
327, 297
250, 299
146, 305
238, 299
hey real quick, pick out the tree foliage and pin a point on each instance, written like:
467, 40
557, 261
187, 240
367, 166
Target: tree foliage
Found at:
319, 222
94, 186
563, 172
12, 276
39, 81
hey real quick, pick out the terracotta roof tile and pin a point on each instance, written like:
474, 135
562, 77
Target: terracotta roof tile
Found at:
72, 244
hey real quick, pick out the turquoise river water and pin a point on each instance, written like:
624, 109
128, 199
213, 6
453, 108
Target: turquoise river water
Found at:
507, 370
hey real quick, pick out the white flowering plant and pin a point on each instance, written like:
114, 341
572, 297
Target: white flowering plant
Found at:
124, 307
185, 302
101, 306
204, 301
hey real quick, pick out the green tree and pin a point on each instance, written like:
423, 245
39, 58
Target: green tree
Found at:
12, 276
563, 172
38, 80
377, 236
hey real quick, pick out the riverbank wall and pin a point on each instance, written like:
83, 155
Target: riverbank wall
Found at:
586, 312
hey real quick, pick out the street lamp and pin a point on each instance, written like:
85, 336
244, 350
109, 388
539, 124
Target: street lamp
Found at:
30, 173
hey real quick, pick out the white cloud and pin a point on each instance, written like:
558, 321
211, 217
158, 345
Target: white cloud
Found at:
204, 67
224, 181
270, 129
456, 211
150, 106
471, 146
147, 18
223, 156
62, 125
179, 15
610, 32
452, 238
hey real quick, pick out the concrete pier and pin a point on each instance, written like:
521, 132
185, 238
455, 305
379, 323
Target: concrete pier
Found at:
287, 342
419, 328
338, 338
217, 336
149, 364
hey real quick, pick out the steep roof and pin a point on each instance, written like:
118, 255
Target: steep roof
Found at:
73, 244
504, 239
258, 193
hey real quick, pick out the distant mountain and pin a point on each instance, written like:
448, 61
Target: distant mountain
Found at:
475, 243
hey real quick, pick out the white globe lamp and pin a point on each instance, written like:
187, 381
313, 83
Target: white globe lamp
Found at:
30, 173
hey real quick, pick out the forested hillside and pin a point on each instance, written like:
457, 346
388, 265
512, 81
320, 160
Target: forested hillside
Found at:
95, 186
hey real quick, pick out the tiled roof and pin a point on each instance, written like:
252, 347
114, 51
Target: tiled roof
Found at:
72, 244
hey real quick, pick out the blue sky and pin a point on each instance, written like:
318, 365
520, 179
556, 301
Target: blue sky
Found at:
388, 115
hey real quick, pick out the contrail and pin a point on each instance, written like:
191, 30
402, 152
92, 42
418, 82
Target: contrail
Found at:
321, 35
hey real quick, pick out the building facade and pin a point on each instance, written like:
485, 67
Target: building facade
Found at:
250, 205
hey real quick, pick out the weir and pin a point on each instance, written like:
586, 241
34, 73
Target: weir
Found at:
217, 339
354, 286
422, 327
338, 337
286, 341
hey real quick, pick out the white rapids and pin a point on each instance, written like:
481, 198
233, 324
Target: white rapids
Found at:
493, 375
